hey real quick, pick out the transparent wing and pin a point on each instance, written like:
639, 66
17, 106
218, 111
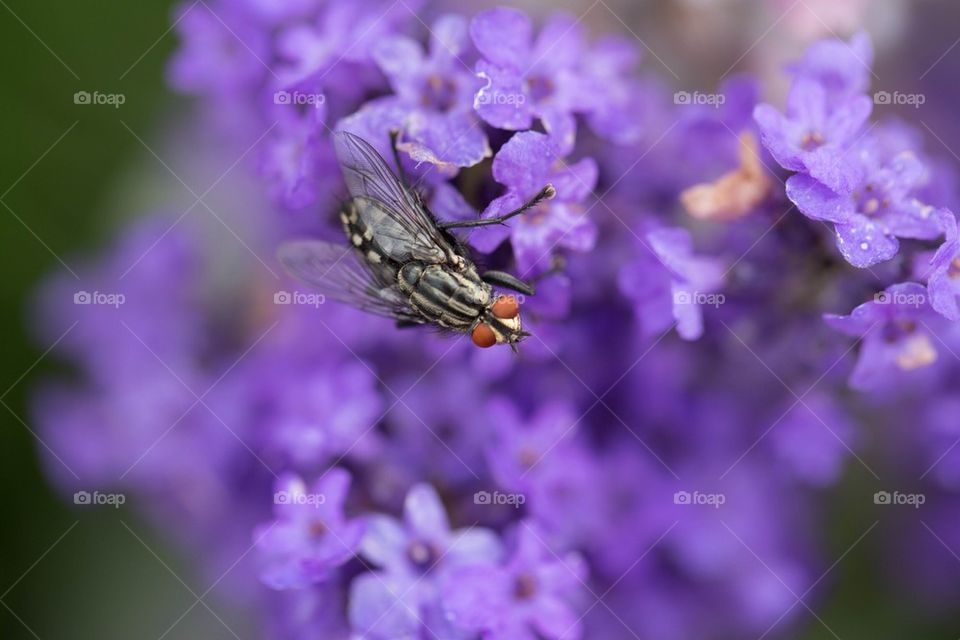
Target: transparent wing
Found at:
399, 215
337, 272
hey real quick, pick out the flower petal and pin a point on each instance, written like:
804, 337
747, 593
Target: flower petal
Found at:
863, 244
448, 140
523, 163
561, 42
384, 542
424, 513
448, 38
400, 59
774, 133
379, 609
502, 101
486, 239
817, 201
502, 36
576, 181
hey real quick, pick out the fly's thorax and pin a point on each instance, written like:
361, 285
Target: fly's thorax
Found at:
450, 298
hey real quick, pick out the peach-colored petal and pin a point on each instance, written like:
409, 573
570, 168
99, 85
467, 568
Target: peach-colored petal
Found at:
735, 194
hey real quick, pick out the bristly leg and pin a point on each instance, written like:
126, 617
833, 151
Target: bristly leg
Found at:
394, 137
546, 193
507, 281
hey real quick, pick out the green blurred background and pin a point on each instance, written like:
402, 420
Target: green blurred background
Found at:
63, 573
93, 574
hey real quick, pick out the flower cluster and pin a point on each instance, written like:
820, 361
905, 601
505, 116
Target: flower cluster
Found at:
612, 481
872, 184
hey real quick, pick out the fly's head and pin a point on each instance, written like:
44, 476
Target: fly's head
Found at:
499, 324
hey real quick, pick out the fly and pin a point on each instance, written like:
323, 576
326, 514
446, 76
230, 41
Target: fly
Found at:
401, 262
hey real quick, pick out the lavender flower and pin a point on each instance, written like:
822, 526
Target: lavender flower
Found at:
527, 597
310, 536
320, 411
519, 445
203, 394
671, 285
222, 53
846, 176
896, 333
525, 164
880, 207
815, 135
415, 555
435, 93
526, 79
944, 269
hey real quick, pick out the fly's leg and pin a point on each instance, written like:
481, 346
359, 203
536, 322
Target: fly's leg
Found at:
546, 193
394, 136
507, 281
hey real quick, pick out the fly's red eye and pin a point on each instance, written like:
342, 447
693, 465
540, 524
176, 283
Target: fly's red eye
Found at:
505, 308
483, 336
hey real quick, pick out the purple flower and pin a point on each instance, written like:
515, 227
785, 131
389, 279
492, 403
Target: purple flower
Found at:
843, 68
220, 53
876, 209
671, 285
896, 333
435, 92
196, 393
414, 556
525, 164
319, 410
519, 445
341, 35
530, 596
309, 536
526, 78
296, 159
614, 95
815, 133
944, 269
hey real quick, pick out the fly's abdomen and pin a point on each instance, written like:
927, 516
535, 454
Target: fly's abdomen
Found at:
444, 296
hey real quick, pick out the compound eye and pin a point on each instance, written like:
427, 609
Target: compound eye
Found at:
505, 308
483, 336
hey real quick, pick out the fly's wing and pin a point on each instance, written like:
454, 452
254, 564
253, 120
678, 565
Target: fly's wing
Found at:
401, 225
337, 272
